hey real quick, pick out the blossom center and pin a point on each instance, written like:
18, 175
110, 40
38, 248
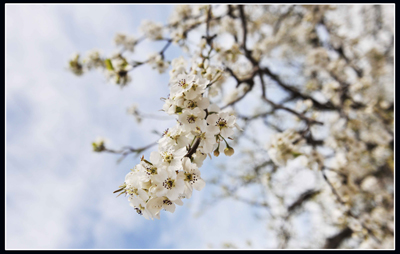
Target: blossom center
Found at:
132, 191
167, 202
221, 123
191, 118
191, 104
139, 209
191, 178
152, 171
182, 83
169, 183
168, 157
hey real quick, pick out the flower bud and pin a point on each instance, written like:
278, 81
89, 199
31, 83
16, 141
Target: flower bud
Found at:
229, 151
98, 147
216, 153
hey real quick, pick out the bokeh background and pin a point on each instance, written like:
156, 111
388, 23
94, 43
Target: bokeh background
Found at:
58, 191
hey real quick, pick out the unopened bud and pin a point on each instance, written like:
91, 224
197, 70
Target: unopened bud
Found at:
229, 151
216, 153
98, 147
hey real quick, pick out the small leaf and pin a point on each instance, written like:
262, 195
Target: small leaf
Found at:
108, 64
178, 110
295, 154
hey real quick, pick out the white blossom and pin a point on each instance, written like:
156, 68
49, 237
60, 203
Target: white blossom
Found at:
152, 30
192, 178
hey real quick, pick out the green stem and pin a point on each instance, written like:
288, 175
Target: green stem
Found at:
227, 145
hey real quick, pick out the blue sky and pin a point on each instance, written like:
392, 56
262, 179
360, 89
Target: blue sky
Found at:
59, 192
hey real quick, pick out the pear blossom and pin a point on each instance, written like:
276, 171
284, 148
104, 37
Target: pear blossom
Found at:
192, 177
284, 146
140, 207
93, 60
168, 184
173, 137
206, 134
224, 122
191, 118
157, 62
128, 42
174, 105
170, 158
75, 65
154, 206
117, 69
199, 157
152, 30
178, 67
182, 83
201, 103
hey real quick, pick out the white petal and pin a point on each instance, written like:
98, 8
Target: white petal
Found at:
186, 163
143, 194
180, 153
238, 127
175, 164
188, 190
154, 206
207, 147
214, 108
178, 202
191, 94
226, 132
212, 129
212, 119
231, 120
203, 103
161, 176
170, 208
147, 215
155, 157
199, 184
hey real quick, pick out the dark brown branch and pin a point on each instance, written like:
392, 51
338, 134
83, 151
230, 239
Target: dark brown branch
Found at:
303, 198
296, 93
244, 27
125, 151
237, 99
193, 149
332, 188
230, 12
301, 116
169, 41
335, 241
208, 22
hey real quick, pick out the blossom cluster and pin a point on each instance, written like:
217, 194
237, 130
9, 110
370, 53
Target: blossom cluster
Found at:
284, 146
172, 172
